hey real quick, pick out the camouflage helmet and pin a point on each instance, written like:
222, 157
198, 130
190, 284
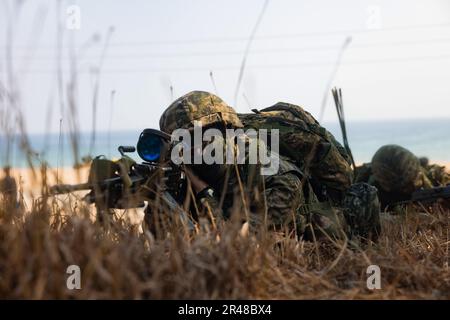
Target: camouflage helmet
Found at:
396, 169
201, 106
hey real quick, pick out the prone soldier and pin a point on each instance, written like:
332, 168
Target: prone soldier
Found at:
312, 191
398, 174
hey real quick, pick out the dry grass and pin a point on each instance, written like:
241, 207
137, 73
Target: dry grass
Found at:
36, 247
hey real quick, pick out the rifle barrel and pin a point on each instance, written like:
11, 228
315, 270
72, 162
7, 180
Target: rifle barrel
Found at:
431, 194
67, 188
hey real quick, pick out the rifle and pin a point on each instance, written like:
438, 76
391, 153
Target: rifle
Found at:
124, 183
425, 196
431, 195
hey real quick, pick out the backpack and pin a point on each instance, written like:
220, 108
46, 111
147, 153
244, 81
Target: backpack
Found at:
321, 158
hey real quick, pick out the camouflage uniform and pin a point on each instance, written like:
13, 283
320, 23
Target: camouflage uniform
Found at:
312, 147
288, 197
396, 173
437, 175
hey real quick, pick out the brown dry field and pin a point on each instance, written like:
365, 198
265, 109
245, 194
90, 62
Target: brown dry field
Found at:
39, 242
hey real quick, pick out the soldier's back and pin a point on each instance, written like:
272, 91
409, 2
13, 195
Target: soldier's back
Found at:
314, 149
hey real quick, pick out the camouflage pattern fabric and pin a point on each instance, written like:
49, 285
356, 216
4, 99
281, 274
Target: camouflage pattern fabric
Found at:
398, 169
437, 175
362, 210
287, 198
314, 149
279, 195
201, 106
325, 221
102, 168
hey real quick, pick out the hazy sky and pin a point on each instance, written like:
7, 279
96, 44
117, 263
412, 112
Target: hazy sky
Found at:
397, 65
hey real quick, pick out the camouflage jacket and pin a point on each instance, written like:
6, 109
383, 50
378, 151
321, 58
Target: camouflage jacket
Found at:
314, 149
244, 190
284, 200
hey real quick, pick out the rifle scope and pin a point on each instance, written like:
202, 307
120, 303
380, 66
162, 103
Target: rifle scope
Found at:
151, 144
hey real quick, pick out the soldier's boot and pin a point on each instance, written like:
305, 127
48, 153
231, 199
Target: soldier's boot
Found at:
362, 211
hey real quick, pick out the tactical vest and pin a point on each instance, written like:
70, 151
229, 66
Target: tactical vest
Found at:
314, 149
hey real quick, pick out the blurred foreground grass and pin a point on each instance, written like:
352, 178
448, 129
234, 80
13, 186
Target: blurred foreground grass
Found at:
39, 243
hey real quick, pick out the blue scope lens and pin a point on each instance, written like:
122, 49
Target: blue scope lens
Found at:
150, 145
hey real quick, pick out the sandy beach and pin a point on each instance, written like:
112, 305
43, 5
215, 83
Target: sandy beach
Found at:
30, 181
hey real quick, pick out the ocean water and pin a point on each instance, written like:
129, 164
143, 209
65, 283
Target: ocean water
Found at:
429, 138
